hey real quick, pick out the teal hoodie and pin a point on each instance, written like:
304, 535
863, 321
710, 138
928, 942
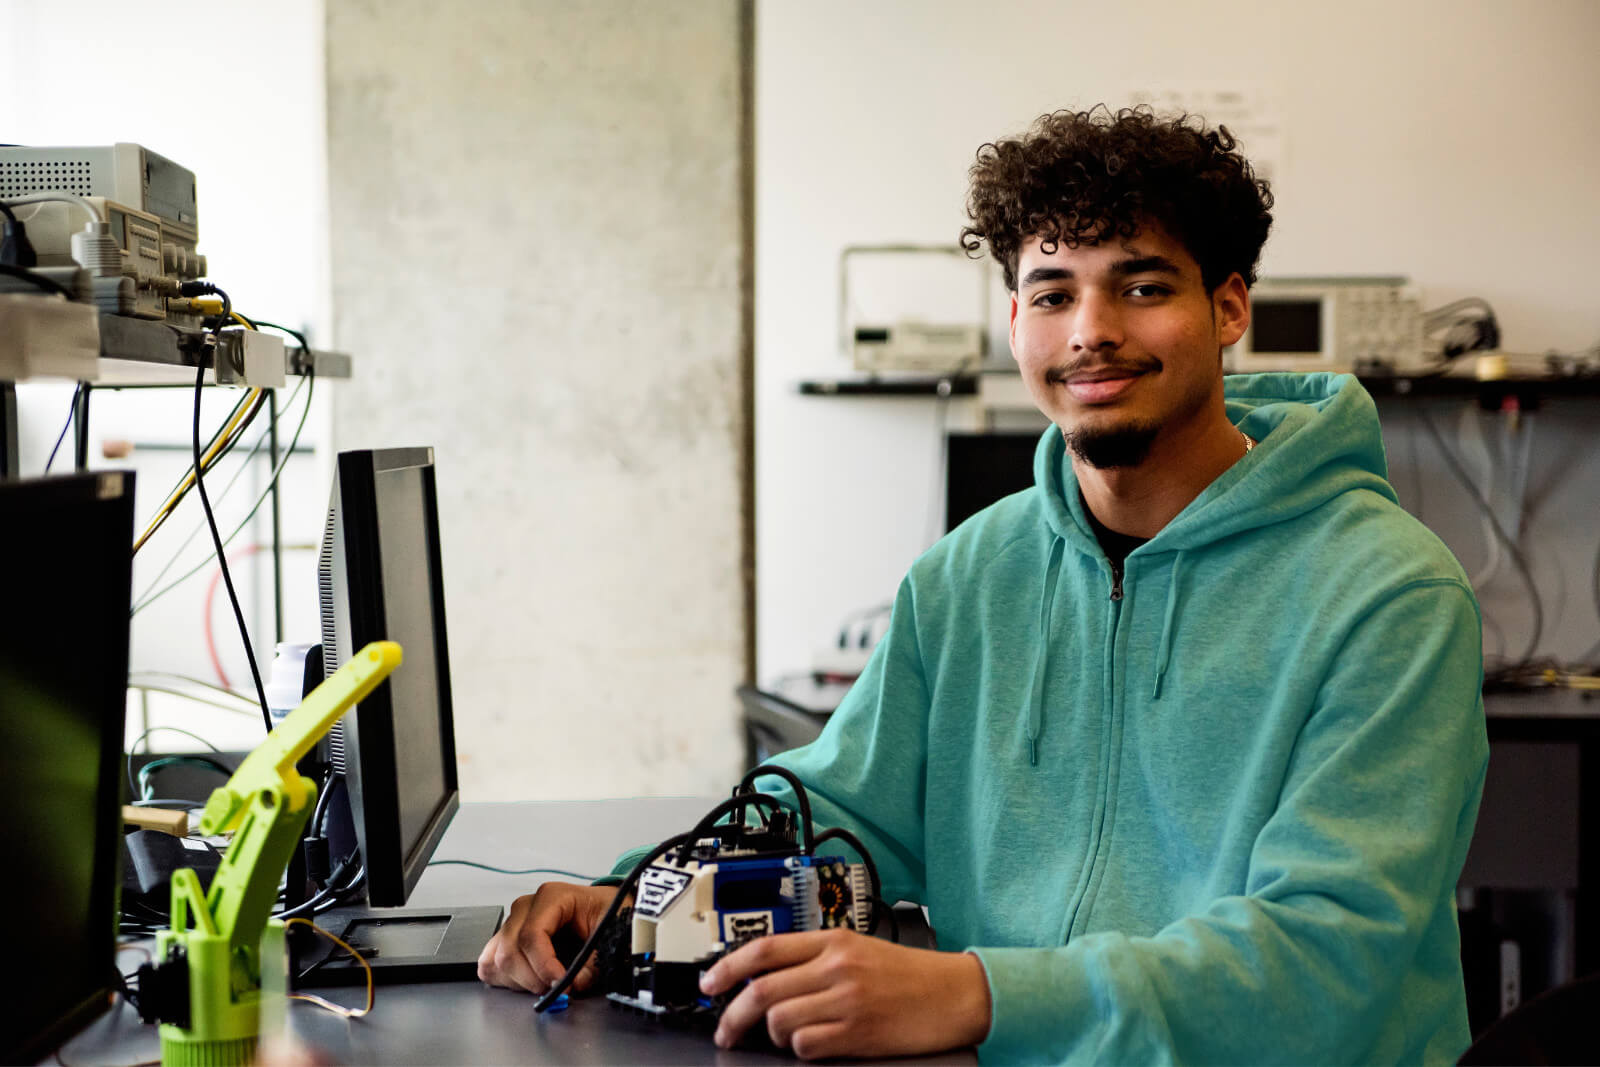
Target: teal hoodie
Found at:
1215, 815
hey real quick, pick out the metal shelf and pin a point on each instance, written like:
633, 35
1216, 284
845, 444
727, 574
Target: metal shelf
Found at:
135, 351
135, 345
955, 385
1492, 391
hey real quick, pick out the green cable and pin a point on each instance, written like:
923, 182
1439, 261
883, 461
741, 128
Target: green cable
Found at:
154, 765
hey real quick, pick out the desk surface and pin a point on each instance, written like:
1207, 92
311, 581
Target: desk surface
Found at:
1565, 704
466, 1022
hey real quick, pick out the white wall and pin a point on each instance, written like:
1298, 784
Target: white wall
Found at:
537, 258
1453, 142
248, 120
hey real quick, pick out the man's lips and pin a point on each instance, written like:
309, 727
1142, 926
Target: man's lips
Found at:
1101, 385
1099, 390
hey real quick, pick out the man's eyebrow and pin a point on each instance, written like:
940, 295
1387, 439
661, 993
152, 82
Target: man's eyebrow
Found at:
1044, 274
1121, 269
1145, 265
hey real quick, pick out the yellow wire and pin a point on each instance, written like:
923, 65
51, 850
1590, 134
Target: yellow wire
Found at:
245, 412
1572, 681
337, 1009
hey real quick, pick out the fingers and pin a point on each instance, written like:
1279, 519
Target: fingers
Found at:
587, 976
761, 955
793, 1022
502, 961
783, 989
522, 954
820, 1041
851, 995
780, 998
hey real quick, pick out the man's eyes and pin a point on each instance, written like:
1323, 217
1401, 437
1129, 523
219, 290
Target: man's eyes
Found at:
1142, 291
1149, 289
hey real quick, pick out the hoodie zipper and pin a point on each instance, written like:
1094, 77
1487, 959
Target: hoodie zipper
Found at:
1108, 766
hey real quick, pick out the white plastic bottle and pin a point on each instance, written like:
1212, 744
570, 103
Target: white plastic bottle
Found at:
287, 681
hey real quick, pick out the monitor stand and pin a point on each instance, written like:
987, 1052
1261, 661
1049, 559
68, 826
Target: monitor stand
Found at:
401, 944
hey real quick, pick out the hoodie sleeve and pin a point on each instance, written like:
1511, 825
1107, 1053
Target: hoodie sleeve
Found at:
869, 759
866, 773
1358, 861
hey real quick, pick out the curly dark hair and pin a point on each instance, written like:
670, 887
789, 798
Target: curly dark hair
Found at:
1083, 177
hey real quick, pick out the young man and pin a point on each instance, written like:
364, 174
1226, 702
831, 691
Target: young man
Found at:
1181, 748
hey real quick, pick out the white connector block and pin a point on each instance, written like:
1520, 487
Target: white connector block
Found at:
687, 930
45, 337
248, 357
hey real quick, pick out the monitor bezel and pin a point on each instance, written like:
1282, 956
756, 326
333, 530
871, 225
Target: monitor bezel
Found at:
369, 734
109, 495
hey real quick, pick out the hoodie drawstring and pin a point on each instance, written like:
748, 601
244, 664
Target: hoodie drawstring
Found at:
1164, 650
1036, 704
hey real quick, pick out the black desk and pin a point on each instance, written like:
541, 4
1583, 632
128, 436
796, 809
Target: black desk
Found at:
1542, 789
1530, 889
467, 1022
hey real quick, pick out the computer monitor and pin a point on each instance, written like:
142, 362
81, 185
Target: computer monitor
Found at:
380, 577
981, 468
66, 567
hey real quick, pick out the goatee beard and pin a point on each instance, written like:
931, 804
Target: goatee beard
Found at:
1113, 446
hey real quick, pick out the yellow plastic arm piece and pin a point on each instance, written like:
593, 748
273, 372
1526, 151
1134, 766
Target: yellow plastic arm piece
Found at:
271, 765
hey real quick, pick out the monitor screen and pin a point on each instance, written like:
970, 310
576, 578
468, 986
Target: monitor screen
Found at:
981, 468
381, 579
66, 550
1289, 327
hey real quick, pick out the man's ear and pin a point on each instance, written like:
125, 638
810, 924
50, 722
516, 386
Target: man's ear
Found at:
1230, 305
1013, 328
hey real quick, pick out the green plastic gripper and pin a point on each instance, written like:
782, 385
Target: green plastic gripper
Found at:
228, 935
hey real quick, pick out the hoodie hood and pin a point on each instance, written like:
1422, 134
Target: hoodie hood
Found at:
1318, 437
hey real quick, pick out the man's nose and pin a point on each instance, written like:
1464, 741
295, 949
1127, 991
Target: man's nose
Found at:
1096, 324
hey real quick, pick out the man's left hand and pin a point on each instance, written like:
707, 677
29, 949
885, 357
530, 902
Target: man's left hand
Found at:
840, 993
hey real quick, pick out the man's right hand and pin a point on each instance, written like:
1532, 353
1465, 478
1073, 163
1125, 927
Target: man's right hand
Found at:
522, 954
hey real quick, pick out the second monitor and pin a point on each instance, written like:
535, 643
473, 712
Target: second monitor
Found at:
380, 577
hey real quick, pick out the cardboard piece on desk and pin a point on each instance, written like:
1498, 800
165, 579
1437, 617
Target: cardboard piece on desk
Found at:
166, 820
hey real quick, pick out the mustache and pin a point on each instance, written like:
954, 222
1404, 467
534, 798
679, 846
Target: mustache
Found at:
1138, 365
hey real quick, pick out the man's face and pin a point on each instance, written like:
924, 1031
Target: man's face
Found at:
1119, 343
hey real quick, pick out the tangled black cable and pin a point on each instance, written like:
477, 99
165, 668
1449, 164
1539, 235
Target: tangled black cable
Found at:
1518, 560
593, 940
804, 801
330, 893
222, 559
215, 323
728, 806
72, 413
48, 284
737, 805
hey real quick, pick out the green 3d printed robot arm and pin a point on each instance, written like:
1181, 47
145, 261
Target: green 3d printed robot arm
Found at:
211, 1011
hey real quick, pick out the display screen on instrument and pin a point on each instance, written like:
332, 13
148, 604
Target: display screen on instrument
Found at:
1292, 326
